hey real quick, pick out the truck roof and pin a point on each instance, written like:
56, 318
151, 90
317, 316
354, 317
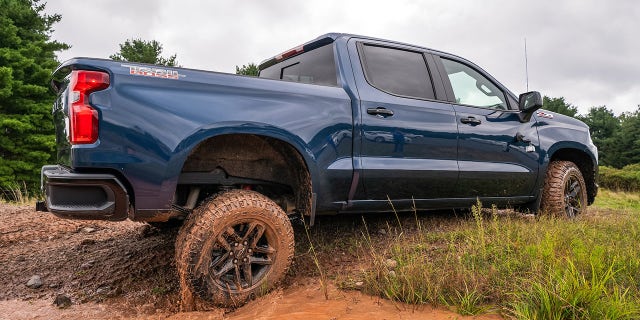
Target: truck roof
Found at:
325, 39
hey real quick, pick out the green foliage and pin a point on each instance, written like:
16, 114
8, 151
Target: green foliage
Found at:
138, 50
603, 124
625, 179
248, 70
626, 141
617, 137
560, 106
27, 58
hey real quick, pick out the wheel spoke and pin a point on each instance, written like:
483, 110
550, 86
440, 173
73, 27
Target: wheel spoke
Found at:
574, 211
226, 268
252, 226
259, 232
232, 233
223, 243
248, 277
266, 250
574, 189
236, 278
577, 190
260, 261
223, 258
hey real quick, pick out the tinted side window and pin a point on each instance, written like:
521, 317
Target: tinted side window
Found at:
316, 67
472, 88
397, 71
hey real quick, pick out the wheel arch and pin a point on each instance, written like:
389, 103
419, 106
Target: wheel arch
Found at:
254, 148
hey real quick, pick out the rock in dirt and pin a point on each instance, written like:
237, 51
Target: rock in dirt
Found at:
103, 290
88, 229
35, 282
390, 264
87, 242
61, 301
87, 265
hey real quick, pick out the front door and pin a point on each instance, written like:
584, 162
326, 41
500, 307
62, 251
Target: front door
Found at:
498, 156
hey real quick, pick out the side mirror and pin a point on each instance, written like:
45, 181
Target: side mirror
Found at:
528, 103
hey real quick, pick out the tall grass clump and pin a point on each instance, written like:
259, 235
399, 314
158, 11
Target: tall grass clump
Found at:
569, 294
316, 261
16, 193
527, 267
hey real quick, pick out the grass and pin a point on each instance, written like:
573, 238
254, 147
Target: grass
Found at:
18, 193
625, 201
493, 260
314, 256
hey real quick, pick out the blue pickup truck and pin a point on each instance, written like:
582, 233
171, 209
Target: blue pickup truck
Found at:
342, 123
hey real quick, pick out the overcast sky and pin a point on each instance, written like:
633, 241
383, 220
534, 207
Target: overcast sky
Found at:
587, 51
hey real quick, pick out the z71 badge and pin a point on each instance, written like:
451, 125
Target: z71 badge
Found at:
153, 72
544, 115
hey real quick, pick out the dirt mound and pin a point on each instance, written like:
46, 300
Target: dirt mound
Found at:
86, 260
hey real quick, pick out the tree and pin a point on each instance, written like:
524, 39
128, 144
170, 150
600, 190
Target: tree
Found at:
138, 50
560, 106
601, 121
27, 58
248, 70
627, 140
603, 124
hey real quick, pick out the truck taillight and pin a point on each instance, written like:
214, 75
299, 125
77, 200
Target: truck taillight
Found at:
83, 119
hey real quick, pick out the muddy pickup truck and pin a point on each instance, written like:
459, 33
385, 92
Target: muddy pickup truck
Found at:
340, 124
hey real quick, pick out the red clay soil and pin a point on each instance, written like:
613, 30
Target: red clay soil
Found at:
125, 270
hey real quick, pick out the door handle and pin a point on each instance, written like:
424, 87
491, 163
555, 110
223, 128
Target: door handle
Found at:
470, 120
380, 111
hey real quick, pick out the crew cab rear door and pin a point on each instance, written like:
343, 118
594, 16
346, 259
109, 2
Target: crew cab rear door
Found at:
407, 139
498, 155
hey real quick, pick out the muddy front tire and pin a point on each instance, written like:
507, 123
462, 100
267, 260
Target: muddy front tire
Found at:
235, 246
565, 191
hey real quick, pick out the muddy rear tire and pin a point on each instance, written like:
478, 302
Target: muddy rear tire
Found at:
234, 246
565, 191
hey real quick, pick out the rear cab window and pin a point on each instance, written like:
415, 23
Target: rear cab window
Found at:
313, 67
396, 71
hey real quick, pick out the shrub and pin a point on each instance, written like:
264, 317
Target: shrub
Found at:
625, 179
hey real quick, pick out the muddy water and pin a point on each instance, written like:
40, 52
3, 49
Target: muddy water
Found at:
308, 302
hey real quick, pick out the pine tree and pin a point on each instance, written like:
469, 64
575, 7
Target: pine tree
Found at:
27, 58
627, 139
603, 124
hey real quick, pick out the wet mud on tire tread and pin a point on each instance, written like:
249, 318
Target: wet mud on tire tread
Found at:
213, 223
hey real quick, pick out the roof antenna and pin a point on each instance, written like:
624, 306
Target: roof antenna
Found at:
526, 64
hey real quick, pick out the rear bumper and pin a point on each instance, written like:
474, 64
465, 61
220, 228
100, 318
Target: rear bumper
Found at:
88, 196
